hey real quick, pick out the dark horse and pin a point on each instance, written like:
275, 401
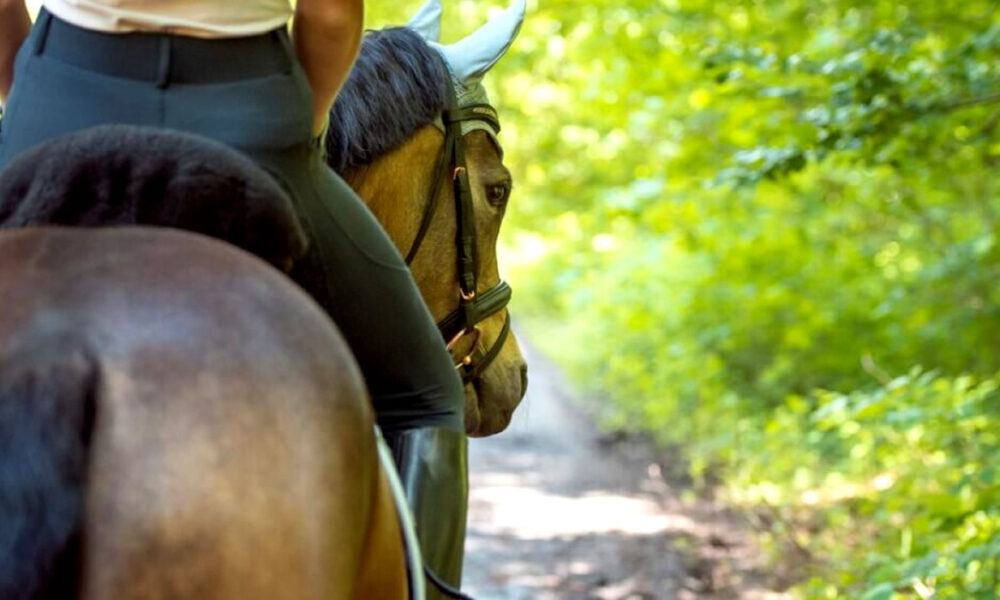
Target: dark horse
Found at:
178, 420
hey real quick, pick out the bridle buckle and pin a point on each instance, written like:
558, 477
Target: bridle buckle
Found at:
465, 361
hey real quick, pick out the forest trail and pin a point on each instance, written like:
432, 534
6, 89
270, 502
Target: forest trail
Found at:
559, 512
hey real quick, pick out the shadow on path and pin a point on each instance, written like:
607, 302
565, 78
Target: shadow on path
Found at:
557, 511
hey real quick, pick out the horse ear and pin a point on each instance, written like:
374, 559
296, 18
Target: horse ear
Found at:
474, 56
427, 21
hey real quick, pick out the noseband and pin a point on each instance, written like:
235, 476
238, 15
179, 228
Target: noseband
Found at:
473, 307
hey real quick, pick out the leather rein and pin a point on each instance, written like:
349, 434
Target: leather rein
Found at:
473, 307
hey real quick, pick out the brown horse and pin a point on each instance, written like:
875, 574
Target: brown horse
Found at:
194, 423
393, 153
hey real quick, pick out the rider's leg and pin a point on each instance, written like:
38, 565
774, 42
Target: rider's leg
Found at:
433, 467
357, 275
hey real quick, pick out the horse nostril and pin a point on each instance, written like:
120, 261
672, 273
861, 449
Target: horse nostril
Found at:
524, 379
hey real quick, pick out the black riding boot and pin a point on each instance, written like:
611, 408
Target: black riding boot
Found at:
433, 467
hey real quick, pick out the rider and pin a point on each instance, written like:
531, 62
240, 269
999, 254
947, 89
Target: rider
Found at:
229, 70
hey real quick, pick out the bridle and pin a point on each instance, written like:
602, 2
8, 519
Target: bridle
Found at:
473, 307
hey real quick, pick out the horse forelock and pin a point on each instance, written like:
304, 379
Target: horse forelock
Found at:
397, 86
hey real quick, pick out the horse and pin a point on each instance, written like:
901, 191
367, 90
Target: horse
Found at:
177, 419
189, 439
427, 161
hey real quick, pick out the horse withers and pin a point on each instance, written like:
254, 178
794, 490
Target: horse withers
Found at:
177, 420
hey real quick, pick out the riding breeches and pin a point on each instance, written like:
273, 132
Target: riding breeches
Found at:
251, 94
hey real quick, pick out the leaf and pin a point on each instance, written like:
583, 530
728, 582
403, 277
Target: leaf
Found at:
882, 591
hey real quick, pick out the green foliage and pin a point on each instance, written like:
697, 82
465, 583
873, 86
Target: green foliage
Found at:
899, 482
738, 221
726, 207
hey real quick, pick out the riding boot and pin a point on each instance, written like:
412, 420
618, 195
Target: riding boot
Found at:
433, 468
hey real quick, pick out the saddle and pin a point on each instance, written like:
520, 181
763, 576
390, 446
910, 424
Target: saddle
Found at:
129, 175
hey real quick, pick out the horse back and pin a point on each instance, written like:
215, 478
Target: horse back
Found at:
227, 448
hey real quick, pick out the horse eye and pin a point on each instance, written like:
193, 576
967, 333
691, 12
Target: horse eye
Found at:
497, 194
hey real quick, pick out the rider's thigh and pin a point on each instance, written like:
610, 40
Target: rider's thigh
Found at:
356, 274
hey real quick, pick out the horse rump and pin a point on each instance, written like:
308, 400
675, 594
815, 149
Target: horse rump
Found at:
47, 409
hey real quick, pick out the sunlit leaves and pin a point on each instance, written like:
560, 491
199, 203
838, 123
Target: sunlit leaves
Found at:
767, 232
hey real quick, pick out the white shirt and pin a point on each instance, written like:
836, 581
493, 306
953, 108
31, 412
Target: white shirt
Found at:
199, 18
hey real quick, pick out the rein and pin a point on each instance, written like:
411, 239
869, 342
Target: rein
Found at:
473, 307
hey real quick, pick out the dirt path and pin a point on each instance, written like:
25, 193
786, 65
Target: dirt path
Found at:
556, 511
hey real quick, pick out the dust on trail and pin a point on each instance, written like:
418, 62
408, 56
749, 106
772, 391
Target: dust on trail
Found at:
557, 511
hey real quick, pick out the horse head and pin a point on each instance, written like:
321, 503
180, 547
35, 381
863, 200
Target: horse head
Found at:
414, 134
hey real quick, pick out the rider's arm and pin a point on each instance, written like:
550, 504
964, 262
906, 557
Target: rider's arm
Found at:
327, 35
14, 26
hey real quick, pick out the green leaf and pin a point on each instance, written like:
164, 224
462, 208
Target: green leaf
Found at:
883, 591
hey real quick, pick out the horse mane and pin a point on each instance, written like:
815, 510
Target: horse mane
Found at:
397, 86
130, 175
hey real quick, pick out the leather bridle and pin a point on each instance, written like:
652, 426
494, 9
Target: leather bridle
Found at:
473, 307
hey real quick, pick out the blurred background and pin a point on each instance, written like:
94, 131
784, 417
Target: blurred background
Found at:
764, 232
761, 236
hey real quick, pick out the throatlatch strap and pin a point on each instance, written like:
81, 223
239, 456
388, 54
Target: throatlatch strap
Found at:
432, 202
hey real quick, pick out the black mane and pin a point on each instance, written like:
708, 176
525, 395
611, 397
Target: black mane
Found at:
130, 175
396, 87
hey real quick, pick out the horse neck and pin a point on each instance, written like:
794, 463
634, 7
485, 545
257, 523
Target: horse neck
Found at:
396, 187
